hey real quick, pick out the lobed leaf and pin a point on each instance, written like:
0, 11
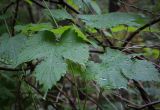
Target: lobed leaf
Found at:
54, 54
116, 68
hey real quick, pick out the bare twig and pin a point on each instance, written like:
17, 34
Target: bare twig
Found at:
125, 100
29, 67
30, 12
144, 94
60, 2
131, 36
4, 10
38, 4
137, 8
15, 17
69, 99
69, 6
149, 104
90, 98
133, 105
13, 69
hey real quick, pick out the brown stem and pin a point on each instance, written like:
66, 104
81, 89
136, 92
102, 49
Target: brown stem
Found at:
70, 101
60, 2
69, 6
149, 104
13, 69
90, 98
38, 4
15, 17
131, 36
30, 12
18, 97
125, 100
143, 93
4, 10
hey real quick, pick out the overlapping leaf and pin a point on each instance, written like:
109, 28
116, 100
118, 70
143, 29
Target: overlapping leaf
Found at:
54, 54
116, 68
10, 47
110, 20
31, 28
58, 14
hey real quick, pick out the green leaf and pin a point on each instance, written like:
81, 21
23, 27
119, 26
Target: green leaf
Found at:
75, 68
31, 28
54, 54
59, 31
132, 29
81, 35
116, 68
5, 16
109, 20
95, 7
73, 3
10, 47
29, 2
79, 3
58, 14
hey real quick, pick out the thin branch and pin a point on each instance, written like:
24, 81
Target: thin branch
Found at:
69, 99
15, 16
131, 36
149, 104
38, 4
144, 94
31, 85
135, 106
60, 2
90, 98
137, 8
51, 1
125, 100
144, 106
69, 6
30, 12
29, 67
4, 10
13, 69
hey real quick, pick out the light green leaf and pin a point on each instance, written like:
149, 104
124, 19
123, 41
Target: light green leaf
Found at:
59, 31
116, 68
72, 3
132, 29
54, 54
29, 2
31, 28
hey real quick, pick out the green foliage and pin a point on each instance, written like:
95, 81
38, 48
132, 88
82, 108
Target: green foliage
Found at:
116, 68
31, 28
69, 55
5, 16
109, 20
132, 29
10, 47
58, 14
54, 54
